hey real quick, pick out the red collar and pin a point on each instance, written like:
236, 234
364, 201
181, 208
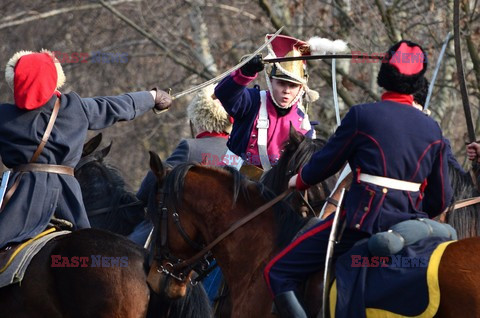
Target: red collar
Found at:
207, 134
398, 98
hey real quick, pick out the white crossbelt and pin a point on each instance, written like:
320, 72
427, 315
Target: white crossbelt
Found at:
390, 183
262, 125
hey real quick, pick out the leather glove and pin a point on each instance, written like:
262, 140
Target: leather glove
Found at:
163, 100
253, 66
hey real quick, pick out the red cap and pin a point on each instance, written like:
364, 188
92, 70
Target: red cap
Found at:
408, 60
35, 80
403, 68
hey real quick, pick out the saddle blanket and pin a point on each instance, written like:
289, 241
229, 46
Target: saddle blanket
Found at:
401, 285
16, 270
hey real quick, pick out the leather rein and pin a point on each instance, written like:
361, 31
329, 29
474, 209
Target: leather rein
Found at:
178, 268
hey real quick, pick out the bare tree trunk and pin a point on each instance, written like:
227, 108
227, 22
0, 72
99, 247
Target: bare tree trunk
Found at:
200, 36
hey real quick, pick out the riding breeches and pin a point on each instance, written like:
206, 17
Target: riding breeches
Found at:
306, 255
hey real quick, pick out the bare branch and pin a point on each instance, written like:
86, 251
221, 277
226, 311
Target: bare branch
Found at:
392, 33
146, 34
51, 13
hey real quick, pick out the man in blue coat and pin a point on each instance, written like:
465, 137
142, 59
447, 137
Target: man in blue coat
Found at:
399, 165
48, 188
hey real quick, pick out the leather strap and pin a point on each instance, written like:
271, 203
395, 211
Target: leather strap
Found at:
466, 202
41, 167
232, 229
47, 132
37, 153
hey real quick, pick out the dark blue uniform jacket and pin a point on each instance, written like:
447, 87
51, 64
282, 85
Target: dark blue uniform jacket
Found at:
387, 139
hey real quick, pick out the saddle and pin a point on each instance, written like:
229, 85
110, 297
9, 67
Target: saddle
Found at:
252, 172
8, 254
372, 286
14, 260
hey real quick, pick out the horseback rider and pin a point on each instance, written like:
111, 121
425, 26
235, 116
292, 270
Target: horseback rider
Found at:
400, 172
43, 185
213, 125
262, 118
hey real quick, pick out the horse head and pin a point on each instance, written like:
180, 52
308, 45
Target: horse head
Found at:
197, 206
175, 236
109, 202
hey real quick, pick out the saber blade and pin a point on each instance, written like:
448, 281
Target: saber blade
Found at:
224, 74
324, 57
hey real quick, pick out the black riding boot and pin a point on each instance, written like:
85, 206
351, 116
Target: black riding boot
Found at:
288, 306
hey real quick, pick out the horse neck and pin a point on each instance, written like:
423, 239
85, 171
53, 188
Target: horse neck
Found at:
244, 252
104, 191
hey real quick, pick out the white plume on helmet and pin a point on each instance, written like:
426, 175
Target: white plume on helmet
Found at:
320, 45
208, 114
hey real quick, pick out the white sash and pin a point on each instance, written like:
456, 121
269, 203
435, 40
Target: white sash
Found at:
390, 183
262, 125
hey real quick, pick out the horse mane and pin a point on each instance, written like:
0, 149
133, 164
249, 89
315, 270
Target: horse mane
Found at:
293, 158
194, 305
466, 221
287, 222
104, 187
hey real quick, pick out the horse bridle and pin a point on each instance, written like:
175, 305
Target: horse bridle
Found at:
179, 269
306, 206
166, 261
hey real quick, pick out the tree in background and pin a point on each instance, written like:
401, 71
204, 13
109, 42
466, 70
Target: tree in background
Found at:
182, 44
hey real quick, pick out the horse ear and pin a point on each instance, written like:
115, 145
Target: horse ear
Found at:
156, 166
92, 144
104, 152
295, 136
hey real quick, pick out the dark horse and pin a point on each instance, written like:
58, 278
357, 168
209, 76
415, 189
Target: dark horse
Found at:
465, 220
110, 203
207, 201
297, 151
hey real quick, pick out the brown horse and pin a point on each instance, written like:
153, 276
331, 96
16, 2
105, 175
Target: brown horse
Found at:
113, 291
204, 202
